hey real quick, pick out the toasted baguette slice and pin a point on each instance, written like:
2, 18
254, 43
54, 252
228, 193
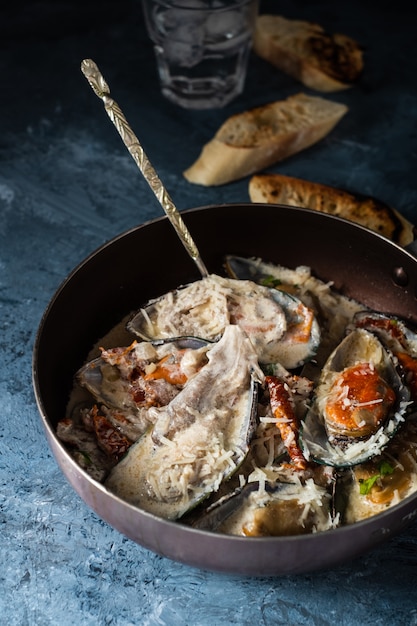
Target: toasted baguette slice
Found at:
364, 210
304, 51
250, 141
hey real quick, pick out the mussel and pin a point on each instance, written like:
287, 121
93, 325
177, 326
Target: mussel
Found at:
279, 325
200, 438
359, 404
398, 337
383, 481
143, 374
332, 310
274, 503
268, 274
129, 380
125, 383
392, 331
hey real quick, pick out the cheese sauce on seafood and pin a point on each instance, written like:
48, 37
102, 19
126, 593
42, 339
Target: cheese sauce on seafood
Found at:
252, 404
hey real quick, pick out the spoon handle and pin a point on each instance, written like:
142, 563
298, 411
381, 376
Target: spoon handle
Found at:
101, 89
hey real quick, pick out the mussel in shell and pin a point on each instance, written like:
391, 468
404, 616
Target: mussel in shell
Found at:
268, 274
279, 325
332, 310
200, 438
391, 330
398, 338
383, 481
126, 383
274, 503
303, 335
143, 374
359, 404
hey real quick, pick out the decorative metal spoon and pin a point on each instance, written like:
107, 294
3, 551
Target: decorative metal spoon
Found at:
101, 89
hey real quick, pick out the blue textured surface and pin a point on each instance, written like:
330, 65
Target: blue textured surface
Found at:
66, 186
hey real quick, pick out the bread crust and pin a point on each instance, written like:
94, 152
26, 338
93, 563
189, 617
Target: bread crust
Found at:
364, 210
321, 61
253, 140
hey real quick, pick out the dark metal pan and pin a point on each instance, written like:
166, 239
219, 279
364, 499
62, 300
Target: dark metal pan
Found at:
149, 260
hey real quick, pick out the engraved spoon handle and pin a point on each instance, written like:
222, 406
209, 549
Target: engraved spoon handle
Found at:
101, 89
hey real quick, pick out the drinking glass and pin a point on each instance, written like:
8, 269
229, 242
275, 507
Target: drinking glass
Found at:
201, 48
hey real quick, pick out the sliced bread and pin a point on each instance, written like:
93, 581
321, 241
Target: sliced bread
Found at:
253, 140
364, 210
307, 53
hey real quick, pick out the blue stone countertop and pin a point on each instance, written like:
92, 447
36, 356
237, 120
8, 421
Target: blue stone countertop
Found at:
67, 185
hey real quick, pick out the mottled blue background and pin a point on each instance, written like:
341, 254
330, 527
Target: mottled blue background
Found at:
66, 186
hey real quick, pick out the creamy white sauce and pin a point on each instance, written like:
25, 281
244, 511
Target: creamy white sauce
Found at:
188, 462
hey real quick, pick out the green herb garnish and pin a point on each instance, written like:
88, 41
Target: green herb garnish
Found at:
385, 468
270, 281
365, 485
86, 457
